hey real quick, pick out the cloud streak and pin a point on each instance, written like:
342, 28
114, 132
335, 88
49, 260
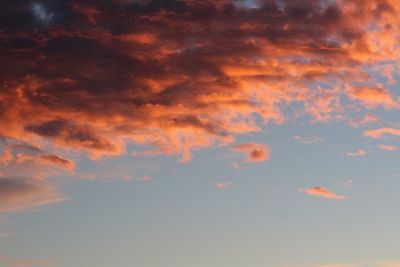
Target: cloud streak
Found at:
324, 193
21, 194
381, 132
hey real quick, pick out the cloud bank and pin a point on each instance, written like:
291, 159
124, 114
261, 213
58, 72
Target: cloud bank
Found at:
181, 75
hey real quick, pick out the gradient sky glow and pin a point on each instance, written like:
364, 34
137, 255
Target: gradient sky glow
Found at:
188, 133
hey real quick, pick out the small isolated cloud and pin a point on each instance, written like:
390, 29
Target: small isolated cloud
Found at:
255, 152
311, 139
323, 192
41, 13
19, 194
387, 148
237, 166
348, 183
381, 132
223, 185
358, 153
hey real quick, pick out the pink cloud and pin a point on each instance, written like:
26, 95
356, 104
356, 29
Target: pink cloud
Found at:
223, 185
367, 119
381, 132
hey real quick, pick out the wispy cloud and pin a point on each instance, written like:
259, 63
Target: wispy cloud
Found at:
367, 119
6, 234
358, 153
381, 132
323, 192
223, 185
254, 152
310, 139
348, 183
20, 194
387, 147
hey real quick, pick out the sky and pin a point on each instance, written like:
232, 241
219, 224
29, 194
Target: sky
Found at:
188, 133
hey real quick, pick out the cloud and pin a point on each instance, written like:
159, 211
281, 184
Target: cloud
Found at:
81, 75
373, 96
41, 13
358, 153
255, 152
367, 119
381, 132
20, 194
19, 153
387, 147
223, 185
311, 139
6, 157
59, 161
6, 235
348, 183
323, 192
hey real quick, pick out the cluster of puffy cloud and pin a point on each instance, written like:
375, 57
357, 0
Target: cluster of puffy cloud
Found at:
180, 75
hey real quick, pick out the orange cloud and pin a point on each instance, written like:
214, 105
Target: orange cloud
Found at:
179, 86
255, 152
381, 132
372, 96
20, 153
323, 192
